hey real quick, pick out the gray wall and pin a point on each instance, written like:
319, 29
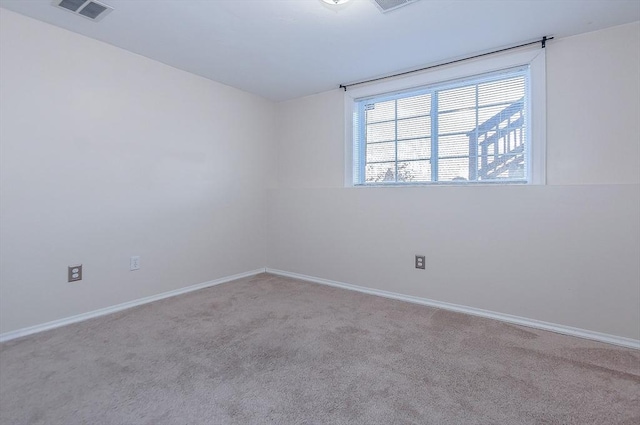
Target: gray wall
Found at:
106, 155
567, 252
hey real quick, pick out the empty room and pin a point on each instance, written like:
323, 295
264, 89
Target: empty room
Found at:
319, 212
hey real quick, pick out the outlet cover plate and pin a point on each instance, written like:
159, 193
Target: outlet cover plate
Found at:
420, 262
74, 273
134, 264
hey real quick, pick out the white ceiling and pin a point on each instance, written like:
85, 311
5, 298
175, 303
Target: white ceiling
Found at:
283, 49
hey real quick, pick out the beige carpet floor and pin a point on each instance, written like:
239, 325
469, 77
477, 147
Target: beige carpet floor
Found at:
272, 350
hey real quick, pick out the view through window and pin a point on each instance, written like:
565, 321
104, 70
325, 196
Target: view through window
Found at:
469, 131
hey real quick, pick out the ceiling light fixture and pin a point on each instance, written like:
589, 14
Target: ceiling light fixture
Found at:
335, 2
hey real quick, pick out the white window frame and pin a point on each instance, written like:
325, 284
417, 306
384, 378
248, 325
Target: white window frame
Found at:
536, 106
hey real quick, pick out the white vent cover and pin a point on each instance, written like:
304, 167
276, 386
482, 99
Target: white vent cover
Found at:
389, 5
89, 9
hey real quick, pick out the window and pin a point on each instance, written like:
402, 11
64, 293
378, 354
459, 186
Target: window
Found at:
475, 129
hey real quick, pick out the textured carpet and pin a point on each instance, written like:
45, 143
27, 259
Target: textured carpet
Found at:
272, 350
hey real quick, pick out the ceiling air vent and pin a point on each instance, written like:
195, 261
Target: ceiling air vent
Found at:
89, 9
389, 5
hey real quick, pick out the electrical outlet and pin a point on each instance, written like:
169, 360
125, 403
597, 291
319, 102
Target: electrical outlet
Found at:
420, 262
134, 264
74, 273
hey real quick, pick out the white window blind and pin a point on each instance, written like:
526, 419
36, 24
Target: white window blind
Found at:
473, 130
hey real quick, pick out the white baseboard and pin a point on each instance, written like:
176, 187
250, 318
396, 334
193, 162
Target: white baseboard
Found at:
108, 310
523, 321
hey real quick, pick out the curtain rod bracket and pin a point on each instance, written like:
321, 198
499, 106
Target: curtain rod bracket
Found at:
343, 87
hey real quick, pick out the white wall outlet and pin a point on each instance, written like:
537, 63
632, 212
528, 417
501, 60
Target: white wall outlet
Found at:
134, 263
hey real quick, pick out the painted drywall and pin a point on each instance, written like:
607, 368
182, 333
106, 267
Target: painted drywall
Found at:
310, 151
593, 107
564, 253
106, 154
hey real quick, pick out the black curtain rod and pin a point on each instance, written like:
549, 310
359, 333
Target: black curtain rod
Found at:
543, 44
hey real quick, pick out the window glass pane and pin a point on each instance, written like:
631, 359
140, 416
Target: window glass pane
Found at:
462, 97
507, 143
457, 145
414, 171
516, 140
492, 167
456, 122
503, 91
454, 169
380, 173
382, 111
514, 118
481, 133
414, 106
414, 149
501, 130
490, 116
381, 152
412, 128
381, 132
